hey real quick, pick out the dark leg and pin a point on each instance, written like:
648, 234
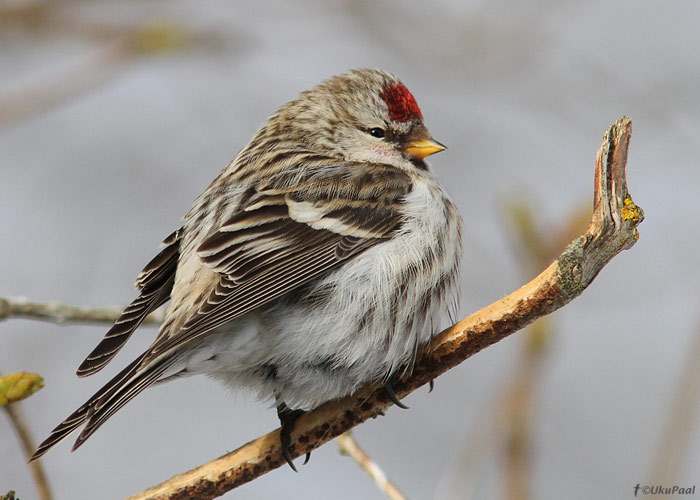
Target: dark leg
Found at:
288, 418
389, 388
432, 385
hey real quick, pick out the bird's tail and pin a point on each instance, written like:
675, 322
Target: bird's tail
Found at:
110, 398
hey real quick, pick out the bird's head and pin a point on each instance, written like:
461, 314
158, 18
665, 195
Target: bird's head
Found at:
363, 115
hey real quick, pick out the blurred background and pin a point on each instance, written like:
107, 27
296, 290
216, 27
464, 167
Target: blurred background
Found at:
115, 115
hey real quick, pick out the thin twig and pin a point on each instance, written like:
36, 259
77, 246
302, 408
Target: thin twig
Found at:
508, 429
348, 446
54, 312
682, 419
67, 83
518, 404
20, 388
120, 45
14, 412
611, 230
518, 409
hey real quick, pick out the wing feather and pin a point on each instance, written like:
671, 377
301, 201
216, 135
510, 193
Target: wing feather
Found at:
155, 283
283, 238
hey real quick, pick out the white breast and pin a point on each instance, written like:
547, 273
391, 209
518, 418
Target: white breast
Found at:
384, 306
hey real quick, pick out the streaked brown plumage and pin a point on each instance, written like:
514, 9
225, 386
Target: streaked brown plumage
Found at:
312, 264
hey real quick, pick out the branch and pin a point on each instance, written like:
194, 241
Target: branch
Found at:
611, 230
514, 427
115, 46
681, 418
54, 312
36, 468
348, 446
13, 388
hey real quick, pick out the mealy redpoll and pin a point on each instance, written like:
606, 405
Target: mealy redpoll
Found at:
314, 263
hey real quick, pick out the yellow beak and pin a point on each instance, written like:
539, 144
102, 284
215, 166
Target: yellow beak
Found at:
421, 148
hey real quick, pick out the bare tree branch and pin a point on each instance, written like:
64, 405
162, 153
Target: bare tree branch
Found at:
14, 413
681, 421
515, 428
350, 447
611, 230
54, 312
116, 46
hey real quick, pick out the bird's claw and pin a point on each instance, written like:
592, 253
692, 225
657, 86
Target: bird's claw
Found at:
288, 419
389, 388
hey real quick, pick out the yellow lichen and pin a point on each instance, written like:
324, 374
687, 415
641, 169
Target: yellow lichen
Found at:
630, 210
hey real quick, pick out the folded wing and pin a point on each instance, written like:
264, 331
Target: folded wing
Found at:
279, 239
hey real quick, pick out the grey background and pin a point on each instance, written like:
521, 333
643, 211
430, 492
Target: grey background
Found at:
521, 92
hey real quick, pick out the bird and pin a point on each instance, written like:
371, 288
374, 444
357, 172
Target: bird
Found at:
318, 260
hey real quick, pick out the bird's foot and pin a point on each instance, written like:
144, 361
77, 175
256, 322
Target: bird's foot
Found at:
288, 418
389, 388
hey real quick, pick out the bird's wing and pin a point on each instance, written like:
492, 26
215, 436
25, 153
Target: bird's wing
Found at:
155, 284
283, 237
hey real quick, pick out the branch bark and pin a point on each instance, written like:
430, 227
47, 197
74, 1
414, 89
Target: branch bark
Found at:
54, 312
19, 423
611, 230
348, 446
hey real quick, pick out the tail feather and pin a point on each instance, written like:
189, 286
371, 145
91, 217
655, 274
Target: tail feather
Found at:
155, 283
108, 406
117, 336
66, 427
105, 402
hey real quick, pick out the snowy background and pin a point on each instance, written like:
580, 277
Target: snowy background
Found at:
103, 149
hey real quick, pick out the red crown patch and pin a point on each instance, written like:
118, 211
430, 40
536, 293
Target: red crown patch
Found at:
401, 103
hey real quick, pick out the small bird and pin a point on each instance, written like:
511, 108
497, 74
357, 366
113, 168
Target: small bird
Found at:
317, 261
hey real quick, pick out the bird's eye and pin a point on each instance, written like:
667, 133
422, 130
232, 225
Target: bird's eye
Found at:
376, 132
